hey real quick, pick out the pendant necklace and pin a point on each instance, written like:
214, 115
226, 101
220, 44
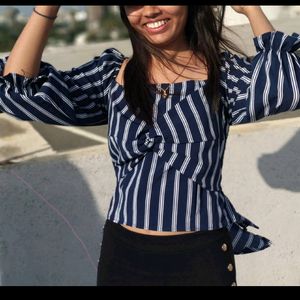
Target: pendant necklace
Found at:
166, 92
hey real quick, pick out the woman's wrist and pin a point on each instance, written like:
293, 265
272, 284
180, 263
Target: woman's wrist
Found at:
251, 10
47, 10
258, 20
44, 16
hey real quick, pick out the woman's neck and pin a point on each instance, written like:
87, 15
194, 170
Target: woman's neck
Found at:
186, 66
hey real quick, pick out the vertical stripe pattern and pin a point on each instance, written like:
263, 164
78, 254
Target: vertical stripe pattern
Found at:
168, 175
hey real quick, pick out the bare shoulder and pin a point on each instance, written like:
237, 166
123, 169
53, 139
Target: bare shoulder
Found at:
120, 76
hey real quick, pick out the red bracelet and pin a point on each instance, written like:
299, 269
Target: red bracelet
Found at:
47, 17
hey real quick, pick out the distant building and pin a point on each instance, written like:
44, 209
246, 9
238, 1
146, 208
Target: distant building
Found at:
81, 15
95, 13
94, 16
10, 16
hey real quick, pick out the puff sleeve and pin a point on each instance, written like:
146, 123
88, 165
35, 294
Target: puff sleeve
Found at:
75, 97
266, 85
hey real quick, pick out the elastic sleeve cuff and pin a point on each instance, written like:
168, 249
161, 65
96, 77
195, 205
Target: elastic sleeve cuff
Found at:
20, 82
277, 41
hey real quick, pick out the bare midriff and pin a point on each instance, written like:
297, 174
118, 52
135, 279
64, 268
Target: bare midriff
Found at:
154, 232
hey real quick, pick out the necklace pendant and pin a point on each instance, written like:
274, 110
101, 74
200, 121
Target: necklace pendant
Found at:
165, 93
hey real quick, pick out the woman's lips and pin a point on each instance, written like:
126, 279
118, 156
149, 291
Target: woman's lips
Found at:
157, 26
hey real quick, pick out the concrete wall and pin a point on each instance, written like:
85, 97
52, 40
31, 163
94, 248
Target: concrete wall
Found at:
273, 12
52, 209
262, 178
51, 214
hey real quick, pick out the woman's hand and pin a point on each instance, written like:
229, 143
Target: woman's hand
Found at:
258, 20
245, 9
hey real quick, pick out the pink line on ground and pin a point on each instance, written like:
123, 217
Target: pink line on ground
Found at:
41, 197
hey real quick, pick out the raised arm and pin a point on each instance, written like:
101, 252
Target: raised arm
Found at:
258, 20
34, 90
268, 83
32, 41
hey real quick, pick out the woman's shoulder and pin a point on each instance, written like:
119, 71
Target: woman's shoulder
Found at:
111, 56
109, 62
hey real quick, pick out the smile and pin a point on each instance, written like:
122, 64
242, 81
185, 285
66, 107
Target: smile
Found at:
157, 24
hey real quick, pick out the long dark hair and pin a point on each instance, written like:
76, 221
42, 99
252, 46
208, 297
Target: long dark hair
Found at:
204, 33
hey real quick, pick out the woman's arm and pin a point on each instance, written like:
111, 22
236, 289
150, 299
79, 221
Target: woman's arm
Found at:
31, 43
258, 20
79, 96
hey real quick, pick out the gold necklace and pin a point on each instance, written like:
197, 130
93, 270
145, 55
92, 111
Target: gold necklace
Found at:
165, 92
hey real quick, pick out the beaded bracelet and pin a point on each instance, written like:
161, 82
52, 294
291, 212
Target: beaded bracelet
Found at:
47, 17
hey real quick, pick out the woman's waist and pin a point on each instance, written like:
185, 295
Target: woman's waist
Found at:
155, 232
192, 240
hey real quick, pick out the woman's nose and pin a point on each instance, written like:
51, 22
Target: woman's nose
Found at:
151, 11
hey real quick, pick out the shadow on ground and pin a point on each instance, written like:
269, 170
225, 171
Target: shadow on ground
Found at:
281, 169
37, 247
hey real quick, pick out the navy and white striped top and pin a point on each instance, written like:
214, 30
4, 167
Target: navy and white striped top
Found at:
168, 175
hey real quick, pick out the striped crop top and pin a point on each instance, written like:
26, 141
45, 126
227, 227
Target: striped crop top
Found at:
169, 174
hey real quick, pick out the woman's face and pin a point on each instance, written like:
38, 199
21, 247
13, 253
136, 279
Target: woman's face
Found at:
163, 26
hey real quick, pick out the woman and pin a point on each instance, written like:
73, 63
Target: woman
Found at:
168, 110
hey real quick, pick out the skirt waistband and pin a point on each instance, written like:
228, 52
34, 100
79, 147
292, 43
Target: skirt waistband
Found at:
198, 239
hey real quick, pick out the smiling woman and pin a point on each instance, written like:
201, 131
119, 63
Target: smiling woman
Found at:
168, 108
163, 54
164, 26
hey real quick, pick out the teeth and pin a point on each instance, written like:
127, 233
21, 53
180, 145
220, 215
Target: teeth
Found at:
156, 24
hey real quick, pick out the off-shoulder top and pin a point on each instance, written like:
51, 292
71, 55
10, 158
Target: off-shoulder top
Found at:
168, 176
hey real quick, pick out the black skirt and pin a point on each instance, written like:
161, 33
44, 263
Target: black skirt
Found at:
202, 258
